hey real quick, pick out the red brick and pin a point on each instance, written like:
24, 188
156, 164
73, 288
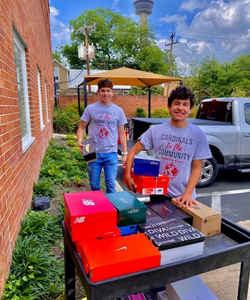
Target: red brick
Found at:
16, 173
127, 103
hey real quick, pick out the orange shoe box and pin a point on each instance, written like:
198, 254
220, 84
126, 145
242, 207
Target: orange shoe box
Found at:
107, 258
147, 185
90, 215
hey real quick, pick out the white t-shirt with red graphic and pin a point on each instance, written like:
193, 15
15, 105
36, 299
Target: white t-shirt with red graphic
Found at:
176, 148
104, 121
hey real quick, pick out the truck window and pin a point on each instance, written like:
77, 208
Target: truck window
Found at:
247, 113
215, 110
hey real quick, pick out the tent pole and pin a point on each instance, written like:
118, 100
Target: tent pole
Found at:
85, 100
78, 98
149, 101
85, 94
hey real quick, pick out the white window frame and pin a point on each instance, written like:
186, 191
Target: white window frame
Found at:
27, 139
56, 70
40, 98
46, 101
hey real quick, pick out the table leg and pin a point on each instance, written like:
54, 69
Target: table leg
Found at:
69, 267
244, 280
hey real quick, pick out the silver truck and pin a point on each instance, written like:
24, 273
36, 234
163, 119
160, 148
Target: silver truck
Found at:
226, 123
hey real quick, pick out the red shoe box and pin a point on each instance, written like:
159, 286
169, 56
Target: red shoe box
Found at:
107, 258
90, 215
147, 185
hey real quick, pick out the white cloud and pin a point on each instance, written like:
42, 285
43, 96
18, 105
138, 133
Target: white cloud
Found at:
192, 5
114, 5
60, 33
221, 29
174, 18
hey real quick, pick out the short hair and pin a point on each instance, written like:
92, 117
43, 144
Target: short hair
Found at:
105, 83
181, 92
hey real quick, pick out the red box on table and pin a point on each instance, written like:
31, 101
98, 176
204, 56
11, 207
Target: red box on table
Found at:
90, 215
148, 185
107, 258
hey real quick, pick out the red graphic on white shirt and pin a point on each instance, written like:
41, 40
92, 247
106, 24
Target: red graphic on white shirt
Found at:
103, 134
105, 117
171, 170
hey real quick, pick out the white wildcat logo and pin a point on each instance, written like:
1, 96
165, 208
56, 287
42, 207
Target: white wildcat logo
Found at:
88, 202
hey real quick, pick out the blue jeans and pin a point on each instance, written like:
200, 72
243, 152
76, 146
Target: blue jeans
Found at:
109, 163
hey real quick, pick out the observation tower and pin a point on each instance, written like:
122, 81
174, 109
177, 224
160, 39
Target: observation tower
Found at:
143, 8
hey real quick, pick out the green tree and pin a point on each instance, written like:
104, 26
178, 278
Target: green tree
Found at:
118, 42
157, 90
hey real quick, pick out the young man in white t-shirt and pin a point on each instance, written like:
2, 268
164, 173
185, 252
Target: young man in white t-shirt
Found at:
106, 124
179, 145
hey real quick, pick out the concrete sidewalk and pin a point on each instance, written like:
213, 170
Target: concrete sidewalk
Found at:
224, 282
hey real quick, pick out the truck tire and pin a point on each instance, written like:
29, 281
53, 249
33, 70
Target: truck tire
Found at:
209, 172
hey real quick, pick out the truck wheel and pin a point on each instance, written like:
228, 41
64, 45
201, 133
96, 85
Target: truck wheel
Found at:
209, 172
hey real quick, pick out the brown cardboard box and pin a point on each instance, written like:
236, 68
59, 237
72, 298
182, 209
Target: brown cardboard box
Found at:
205, 219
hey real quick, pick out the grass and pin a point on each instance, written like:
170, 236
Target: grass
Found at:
37, 269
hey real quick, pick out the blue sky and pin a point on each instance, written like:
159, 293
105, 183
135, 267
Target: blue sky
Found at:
202, 27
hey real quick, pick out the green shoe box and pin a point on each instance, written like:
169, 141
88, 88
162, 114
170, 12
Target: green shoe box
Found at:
130, 210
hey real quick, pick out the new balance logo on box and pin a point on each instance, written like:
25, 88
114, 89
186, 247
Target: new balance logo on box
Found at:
79, 220
88, 202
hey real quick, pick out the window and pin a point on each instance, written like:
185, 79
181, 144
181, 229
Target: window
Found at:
40, 98
56, 74
23, 97
46, 101
247, 113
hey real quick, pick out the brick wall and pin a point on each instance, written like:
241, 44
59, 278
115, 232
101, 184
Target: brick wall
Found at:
19, 170
127, 103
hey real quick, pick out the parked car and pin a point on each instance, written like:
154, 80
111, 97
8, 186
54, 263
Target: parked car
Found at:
226, 123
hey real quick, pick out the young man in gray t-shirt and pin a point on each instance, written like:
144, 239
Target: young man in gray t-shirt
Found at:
106, 124
179, 145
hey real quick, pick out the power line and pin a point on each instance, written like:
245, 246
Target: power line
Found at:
71, 79
104, 33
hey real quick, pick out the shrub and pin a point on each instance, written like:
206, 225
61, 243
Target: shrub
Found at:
193, 113
62, 165
35, 272
64, 121
160, 113
73, 108
140, 112
67, 120
43, 188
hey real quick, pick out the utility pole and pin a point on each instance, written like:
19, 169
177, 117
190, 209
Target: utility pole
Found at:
171, 52
86, 30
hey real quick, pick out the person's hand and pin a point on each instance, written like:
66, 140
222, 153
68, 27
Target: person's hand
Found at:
81, 146
131, 184
185, 200
124, 159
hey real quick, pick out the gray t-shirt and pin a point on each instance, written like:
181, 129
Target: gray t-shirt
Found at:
176, 148
104, 121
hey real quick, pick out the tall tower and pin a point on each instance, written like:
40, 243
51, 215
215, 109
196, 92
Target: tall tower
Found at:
143, 8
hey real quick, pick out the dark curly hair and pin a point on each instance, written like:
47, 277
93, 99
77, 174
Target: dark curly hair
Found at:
102, 83
181, 92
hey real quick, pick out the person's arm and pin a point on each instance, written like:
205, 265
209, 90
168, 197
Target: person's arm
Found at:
123, 141
192, 182
80, 133
129, 164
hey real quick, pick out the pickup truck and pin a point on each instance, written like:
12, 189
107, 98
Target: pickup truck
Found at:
226, 123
